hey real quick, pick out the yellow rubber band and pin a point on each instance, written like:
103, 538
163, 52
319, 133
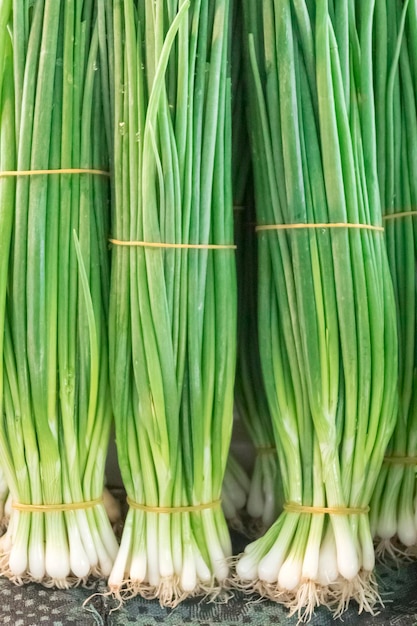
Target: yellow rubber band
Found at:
292, 507
394, 216
267, 227
181, 246
16, 173
53, 508
173, 509
401, 460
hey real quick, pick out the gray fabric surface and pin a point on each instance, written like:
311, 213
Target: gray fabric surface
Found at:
33, 605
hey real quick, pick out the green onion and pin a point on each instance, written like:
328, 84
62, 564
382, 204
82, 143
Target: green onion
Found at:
264, 497
5, 502
327, 327
172, 311
265, 493
235, 491
7, 187
56, 408
394, 512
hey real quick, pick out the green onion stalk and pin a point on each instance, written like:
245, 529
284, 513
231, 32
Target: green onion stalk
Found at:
7, 189
235, 491
264, 497
56, 413
172, 309
327, 327
394, 504
236, 483
5, 503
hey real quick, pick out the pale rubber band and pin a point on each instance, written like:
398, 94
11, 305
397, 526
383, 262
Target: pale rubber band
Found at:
394, 216
52, 508
265, 449
173, 509
292, 507
262, 227
401, 460
16, 173
239, 207
181, 246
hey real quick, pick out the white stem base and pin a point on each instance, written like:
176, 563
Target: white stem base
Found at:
152, 567
51, 550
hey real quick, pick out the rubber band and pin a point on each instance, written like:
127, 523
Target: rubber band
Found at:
16, 173
394, 216
173, 509
262, 227
401, 460
239, 207
292, 507
265, 449
181, 246
55, 508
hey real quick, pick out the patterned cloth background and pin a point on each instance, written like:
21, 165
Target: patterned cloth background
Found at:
33, 605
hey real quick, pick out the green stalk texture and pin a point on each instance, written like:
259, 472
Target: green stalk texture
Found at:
327, 326
236, 483
265, 494
56, 408
172, 311
394, 513
7, 191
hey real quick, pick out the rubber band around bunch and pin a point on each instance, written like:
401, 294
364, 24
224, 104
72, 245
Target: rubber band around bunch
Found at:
401, 460
50, 172
173, 509
293, 507
300, 226
56, 508
180, 246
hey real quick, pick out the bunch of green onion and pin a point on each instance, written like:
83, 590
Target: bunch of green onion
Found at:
172, 307
263, 499
56, 411
327, 327
394, 505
